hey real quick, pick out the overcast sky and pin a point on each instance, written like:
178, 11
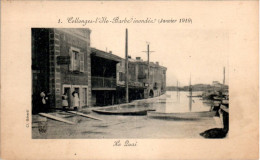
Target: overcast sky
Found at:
199, 52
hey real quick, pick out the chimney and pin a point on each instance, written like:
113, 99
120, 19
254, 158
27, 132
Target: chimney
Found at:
110, 52
157, 63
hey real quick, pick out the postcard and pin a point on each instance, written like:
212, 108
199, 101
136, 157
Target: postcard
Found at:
129, 80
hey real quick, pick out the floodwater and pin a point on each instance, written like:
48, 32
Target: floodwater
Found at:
118, 126
174, 102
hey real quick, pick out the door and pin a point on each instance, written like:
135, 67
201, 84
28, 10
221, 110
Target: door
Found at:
67, 90
76, 88
84, 97
68, 94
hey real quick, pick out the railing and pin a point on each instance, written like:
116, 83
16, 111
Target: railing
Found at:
135, 84
103, 82
142, 76
131, 83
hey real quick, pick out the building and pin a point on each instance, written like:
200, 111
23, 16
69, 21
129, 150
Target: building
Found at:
61, 65
103, 77
135, 87
155, 82
139, 87
63, 62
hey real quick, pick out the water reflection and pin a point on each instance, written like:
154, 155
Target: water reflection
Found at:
174, 102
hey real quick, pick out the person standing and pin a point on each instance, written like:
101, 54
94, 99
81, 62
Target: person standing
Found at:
75, 100
44, 102
65, 103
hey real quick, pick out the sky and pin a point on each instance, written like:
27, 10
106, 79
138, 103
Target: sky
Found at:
184, 51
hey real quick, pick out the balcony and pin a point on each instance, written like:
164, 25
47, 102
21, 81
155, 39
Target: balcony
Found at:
131, 84
142, 76
103, 83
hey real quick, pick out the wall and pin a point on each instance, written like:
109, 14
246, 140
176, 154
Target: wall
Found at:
40, 65
138, 72
61, 40
157, 82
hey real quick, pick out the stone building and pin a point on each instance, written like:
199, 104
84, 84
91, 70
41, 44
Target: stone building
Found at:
61, 64
64, 62
135, 87
139, 87
156, 83
103, 77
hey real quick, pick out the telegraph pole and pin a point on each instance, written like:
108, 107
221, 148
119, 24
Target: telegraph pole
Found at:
148, 64
148, 61
126, 66
224, 76
190, 99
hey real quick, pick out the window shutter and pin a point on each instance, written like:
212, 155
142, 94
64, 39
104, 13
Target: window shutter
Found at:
71, 60
81, 55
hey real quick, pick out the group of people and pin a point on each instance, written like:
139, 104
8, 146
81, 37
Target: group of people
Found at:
65, 102
76, 101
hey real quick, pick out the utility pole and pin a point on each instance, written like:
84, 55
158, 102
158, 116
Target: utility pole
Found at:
177, 90
190, 99
148, 61
148, 65
224, 76
190, 86
126, 66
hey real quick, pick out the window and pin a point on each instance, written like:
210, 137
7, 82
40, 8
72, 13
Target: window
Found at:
76, 60
121, 76
76, 63
81, 62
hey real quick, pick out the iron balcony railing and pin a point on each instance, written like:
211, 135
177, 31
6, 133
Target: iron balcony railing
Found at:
103, 82
132, 83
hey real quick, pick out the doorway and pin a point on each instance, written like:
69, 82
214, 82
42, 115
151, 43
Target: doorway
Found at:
84, 96
82, 91
67, 90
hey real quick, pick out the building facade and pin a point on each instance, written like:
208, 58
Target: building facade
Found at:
103, 77
61, 64
135, 87
155, 81
140, 86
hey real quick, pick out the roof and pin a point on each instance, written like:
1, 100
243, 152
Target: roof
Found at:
105, 55
152, 64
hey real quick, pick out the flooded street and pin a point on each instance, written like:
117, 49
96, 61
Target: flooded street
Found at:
175, 102
118, 126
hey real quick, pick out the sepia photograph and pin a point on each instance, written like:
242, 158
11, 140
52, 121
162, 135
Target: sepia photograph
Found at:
81, 91
129, 80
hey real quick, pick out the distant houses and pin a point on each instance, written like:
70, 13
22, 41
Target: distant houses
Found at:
64, 62
139, 86
215, 86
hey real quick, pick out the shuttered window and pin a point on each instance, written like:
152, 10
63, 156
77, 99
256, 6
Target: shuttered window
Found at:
81, 62
121, 76
71, 60
76, 60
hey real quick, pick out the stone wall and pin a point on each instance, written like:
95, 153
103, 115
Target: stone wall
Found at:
61, 41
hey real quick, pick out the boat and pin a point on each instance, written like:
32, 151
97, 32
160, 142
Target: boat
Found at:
119, 112
182, 115
123, 110
195, 96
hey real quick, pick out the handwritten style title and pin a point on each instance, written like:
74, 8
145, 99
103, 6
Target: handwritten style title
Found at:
125, 20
